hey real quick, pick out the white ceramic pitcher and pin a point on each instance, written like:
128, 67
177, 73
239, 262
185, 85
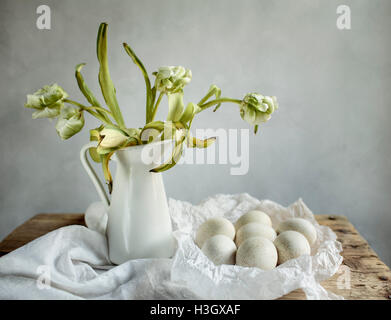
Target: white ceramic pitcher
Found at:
139, 224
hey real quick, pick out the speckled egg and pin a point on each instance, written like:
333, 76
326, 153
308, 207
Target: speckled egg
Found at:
253, 216
291, 245
220, 249
254, 229
303, 226
257, 252
212, 227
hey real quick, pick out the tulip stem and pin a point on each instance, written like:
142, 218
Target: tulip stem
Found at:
98, 108
217, 101
74, 103
98, 116
91, 111
156, 106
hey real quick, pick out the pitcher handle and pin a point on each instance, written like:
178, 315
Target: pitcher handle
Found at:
92, 174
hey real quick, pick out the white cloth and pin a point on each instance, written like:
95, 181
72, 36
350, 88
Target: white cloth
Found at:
72, 262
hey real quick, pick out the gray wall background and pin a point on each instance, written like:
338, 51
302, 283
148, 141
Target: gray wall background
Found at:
328, 143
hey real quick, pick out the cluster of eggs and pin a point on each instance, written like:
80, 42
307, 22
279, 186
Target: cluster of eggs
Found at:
252, 241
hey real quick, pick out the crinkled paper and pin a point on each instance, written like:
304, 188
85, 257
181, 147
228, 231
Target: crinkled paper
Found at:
194, 270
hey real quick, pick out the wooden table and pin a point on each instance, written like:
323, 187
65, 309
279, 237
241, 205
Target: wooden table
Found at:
369, 277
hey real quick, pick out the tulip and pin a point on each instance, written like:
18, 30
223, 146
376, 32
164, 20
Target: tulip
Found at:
70, 122
112, 138
48, 101
172, 79
256, 108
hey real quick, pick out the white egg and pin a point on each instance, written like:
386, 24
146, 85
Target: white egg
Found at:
257, 252
291, 245
303, 226
220, 249
253, 216
212, 227
254, 229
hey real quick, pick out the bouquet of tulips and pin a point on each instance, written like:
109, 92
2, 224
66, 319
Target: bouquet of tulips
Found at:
53, 102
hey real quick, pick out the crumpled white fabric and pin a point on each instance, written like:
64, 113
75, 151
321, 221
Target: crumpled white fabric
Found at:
72, 262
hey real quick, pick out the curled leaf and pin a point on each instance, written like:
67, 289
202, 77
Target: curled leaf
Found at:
105, 81
152, 130
188, 114
87, 92
106, 171
180, 137
213, 91
95, 155
150, 93
95, 133
193, 142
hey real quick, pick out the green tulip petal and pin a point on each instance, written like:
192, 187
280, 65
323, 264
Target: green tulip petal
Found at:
256, 108
48, 101
46, 113
111, 138
33, 101
70, 122
172, 79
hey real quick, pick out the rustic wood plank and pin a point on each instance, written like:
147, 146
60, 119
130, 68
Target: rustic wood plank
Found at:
370, 278
38, 226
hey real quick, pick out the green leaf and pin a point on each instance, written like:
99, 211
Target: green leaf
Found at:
198, 143
86, 91
95, 155
106, 84
94, 133
213, 91
106, 170
153, 91
150, 95
188, 114
158, 125
170, 130
175, 106
176, 154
